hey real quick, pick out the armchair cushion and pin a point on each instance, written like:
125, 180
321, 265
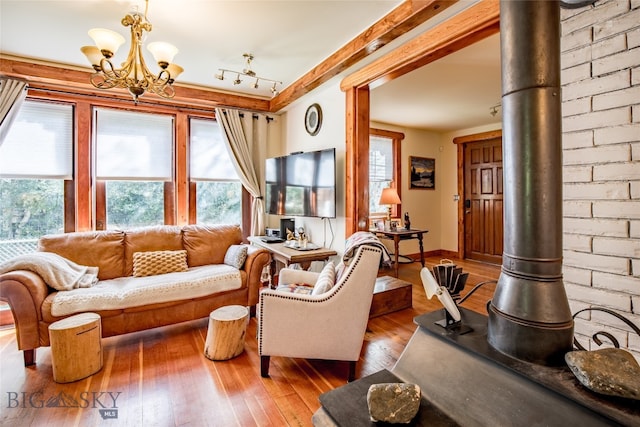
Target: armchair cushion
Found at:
326, 279
296, 288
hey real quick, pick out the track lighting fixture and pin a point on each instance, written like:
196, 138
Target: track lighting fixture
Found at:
248, 72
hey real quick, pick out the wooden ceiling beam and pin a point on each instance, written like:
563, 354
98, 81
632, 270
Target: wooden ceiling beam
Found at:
405, 17
464, 29
75, 80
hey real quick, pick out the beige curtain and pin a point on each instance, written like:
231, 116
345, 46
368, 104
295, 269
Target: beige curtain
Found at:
12, 95
244, 140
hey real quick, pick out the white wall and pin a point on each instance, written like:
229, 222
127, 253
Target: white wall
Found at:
328, 232
601, 158
423, 205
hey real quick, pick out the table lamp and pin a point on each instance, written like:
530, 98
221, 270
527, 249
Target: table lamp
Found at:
389, 197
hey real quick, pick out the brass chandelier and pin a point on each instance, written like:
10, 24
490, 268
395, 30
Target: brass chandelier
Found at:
133, 74
248, 72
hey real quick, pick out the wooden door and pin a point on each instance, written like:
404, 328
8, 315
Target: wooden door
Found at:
483, 202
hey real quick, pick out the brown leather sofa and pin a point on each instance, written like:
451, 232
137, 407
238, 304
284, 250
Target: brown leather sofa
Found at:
112, 251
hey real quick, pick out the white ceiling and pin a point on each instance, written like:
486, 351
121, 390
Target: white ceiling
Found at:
288, 38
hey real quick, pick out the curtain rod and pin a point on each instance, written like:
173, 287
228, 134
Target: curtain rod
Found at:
256, 117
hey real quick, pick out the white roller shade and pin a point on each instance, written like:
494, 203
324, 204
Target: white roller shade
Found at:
208, 154
39, 143
133, 146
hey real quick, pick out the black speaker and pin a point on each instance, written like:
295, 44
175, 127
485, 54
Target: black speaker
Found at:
286, 224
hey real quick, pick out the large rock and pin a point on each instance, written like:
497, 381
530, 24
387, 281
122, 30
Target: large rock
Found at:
609, 371
395, 403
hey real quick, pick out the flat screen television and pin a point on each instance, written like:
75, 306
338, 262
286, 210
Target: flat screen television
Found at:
302, 184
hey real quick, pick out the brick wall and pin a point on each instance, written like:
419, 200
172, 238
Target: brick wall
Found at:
601, 155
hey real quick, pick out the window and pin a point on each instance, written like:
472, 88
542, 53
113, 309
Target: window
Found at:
36, 159
384, 168
133, 164
218, 190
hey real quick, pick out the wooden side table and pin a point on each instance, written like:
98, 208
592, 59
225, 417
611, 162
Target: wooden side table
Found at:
285, 256
76, 347
402, 234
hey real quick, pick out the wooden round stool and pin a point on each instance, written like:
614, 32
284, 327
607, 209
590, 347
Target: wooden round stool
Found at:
225, 336
76, 347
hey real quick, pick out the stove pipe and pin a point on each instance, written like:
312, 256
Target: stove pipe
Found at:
529, 316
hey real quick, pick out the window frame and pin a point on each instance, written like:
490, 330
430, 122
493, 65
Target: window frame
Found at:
81, 194
396, 148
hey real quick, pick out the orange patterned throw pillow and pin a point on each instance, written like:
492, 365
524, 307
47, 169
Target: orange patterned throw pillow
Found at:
159, 262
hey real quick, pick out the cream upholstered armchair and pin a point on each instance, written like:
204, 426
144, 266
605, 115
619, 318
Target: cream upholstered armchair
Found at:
331, 324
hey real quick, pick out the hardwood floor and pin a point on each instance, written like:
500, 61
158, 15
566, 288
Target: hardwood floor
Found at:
161, 377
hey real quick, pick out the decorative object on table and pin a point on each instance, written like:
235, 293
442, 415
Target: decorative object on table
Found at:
608, 371
313, 119
287, 225
248, 72
407, 221
133, 74
389, 197
422, 174
394, 403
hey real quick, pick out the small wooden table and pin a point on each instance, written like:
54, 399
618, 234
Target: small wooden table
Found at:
285, 256
226, 331
402, 234
76, 347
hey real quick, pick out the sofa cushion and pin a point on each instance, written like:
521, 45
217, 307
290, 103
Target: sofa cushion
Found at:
152, 263
102, 249
236, 256
144, 239
326, 279
128, 292
208, 244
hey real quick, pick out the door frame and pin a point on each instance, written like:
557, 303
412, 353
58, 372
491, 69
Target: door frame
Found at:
464, 29
460, 142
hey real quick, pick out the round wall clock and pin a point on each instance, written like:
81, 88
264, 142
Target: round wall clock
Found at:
313, 119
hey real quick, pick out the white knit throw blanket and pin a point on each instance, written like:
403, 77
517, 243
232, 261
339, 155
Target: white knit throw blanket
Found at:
58, 272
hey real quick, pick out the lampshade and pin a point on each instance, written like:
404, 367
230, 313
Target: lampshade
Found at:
162, 52
93, 54
174, 70
389, 196
106, 40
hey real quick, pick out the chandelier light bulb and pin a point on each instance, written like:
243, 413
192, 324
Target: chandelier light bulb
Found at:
237, 81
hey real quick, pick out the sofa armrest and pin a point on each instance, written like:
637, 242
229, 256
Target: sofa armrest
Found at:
257, 259
24, 291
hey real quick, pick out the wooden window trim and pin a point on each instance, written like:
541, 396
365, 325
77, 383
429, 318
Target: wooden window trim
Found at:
396, 146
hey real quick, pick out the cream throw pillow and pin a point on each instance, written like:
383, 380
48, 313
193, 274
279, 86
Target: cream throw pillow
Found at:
236, 256
159, 262
326, 279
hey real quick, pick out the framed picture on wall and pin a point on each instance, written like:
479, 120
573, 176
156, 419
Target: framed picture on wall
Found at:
422, 173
